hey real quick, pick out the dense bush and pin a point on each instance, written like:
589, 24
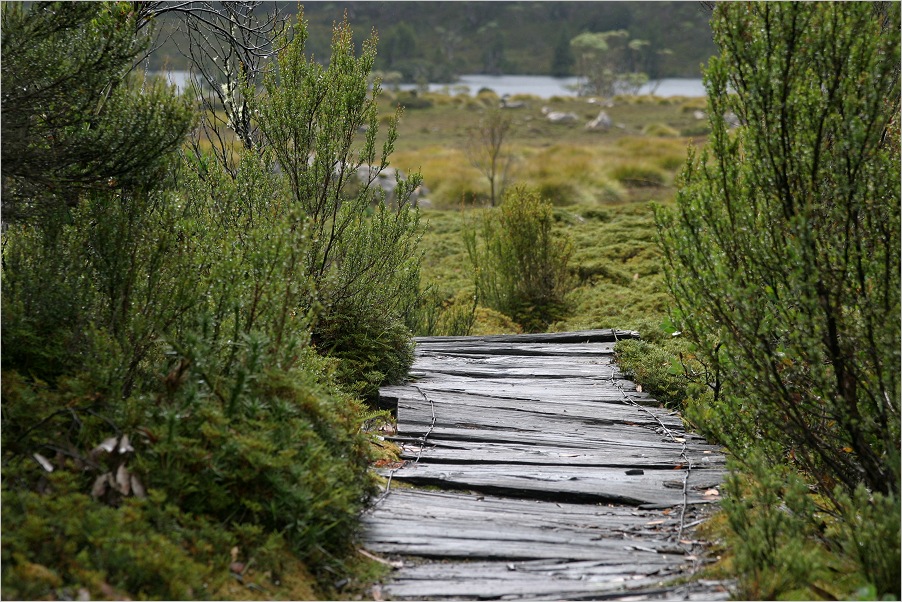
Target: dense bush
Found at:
166, 415
668, 370
782, 257
443, 313
639, 176
521, 264
362, 257
75, 59
661, 130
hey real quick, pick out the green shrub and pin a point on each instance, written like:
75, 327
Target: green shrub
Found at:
259, 445
412, 100
784, 543
444, 313
457, 193
660, 130
694, 104
769, 240
171, 323
521, 265
655, 369
699, 129
65, 542
560, 192
635, 175
489, 321
769, 516
783, 266
868, 533
234, 418
371, 352
671, 162
362, 261
668, 367
609, 192
273, 481
601, 215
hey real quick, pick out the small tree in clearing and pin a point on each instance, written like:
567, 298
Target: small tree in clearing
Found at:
487, 153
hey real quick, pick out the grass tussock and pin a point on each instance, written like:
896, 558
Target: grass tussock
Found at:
660, 130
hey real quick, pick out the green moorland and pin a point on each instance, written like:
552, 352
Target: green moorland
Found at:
603, 186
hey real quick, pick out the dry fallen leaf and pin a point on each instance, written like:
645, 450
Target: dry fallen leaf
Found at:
712, 492
44, 462
108, 445
123, 480
376, 592
100, 484
124, 445
138, 488
397, 564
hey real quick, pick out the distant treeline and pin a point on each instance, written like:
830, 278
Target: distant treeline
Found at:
436, 41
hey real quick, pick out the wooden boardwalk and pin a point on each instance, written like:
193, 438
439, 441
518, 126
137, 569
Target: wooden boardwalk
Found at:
551, 477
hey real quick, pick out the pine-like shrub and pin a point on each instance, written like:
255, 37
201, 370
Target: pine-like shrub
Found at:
782, 257
362, 258
521, 264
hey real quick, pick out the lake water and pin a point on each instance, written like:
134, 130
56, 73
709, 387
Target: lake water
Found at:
543, 86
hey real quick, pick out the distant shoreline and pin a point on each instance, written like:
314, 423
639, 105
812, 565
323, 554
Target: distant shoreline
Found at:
543, 86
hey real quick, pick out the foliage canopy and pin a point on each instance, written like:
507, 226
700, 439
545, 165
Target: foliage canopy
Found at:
160, 385
782, 256
73, 119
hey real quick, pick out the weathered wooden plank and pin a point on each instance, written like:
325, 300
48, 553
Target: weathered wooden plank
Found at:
634, 589
525, 387
566, 389
455, 407
613, 454
438, 504
575, 440
606, 335
584, 355
609, 408
566, 483
499, 581
586, 395
537, 543
478, 367
516, 350
497, 587
594, 428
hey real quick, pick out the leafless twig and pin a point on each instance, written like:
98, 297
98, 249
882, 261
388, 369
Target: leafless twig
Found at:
422, 441
683, 452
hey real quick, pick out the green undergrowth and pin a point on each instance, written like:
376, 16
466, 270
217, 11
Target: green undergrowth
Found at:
186, 352
615, 268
